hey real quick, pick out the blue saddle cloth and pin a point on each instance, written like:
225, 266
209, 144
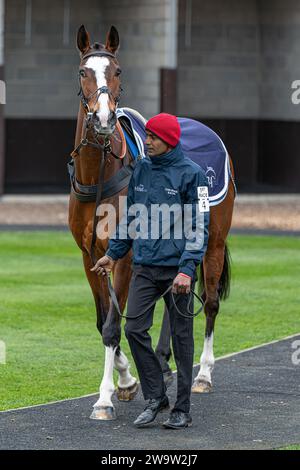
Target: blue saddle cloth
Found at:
202, 145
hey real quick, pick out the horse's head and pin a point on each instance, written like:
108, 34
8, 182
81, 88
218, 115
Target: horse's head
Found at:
99, 76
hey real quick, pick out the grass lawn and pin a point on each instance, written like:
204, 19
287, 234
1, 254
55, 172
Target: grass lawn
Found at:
48, 322
293, 447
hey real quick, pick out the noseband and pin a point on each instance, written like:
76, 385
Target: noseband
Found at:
104, 89
88, 123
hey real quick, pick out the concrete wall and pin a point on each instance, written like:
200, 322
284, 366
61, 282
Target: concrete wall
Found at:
2, 5
280, 58
42, 59
2, 96
236, 64
218, 58
42, 80
148, 31
238, 59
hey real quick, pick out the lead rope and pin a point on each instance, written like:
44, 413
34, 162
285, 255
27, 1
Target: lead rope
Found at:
189, 314
98, 197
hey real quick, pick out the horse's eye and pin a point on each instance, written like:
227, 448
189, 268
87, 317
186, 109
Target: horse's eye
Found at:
82, 73
118, 72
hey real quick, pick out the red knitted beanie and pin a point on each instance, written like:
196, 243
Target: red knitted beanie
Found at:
166, 127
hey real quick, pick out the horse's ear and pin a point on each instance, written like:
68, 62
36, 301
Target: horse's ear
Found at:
112, 40
83, 40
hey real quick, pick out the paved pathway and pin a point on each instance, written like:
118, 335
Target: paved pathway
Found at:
255, 405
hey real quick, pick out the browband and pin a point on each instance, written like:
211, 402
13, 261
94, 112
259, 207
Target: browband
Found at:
99, 53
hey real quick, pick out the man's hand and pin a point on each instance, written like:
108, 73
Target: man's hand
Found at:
182, 284
104, 266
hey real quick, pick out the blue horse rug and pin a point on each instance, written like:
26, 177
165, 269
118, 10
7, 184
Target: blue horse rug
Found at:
200, 143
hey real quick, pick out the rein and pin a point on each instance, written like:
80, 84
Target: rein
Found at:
189, 314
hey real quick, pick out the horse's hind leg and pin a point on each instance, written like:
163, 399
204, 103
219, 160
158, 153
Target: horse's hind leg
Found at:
213, 265
127, 384
216, 268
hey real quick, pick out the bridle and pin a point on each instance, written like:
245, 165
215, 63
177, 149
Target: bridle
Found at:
88, 122
104, 89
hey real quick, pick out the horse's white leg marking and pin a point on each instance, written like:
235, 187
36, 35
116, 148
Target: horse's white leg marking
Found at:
107, 387
99, 64
207, 360
122, 365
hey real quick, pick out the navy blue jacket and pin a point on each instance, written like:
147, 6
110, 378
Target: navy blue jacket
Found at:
165, 180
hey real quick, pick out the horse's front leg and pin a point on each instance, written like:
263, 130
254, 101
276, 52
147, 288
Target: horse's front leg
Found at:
127, 384
103, 408
111, 335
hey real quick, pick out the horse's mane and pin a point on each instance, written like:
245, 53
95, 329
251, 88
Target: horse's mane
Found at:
97, 46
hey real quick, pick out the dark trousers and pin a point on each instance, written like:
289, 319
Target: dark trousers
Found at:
147, 284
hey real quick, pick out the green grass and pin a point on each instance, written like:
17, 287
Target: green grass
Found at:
47, 315
293, 447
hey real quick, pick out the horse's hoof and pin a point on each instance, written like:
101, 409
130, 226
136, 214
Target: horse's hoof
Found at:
103, 413
201, 386
168, 378
127, 394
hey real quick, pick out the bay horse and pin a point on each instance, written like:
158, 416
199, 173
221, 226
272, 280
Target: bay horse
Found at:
99, 142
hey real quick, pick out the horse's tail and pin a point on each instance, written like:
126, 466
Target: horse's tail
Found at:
224, 282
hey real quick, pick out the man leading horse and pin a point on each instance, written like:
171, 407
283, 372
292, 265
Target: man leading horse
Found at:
164, 263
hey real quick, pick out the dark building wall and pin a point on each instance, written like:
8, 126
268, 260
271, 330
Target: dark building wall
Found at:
38, 162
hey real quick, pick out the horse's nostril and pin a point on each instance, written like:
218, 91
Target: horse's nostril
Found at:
112, 118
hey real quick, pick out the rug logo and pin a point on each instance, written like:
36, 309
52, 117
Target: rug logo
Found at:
140, 188
2, 92
211, 176
296, 354
2, 352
